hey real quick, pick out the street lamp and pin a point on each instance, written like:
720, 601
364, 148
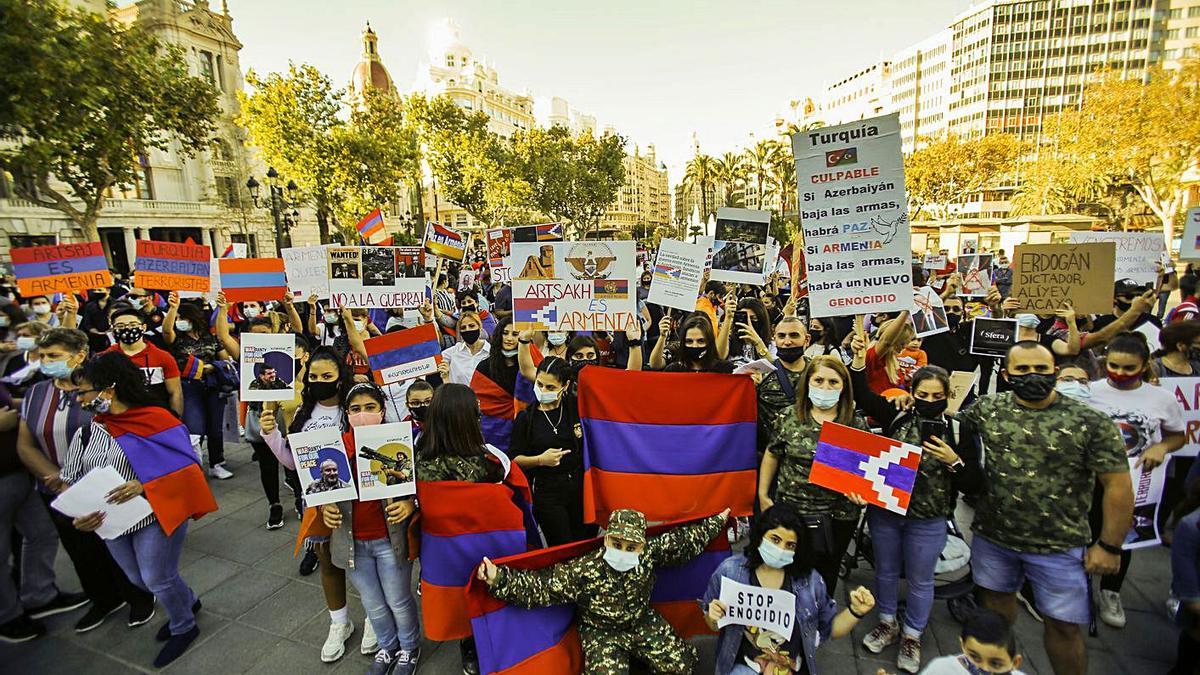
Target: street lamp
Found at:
282, 202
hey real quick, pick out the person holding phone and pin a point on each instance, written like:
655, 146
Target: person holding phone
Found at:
914, 541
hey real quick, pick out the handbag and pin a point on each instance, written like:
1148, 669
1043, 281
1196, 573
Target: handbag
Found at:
818, 530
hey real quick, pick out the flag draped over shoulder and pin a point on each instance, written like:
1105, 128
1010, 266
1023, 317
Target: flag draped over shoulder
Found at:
513, 640
460, 524
160, 452
671, 445
498, 404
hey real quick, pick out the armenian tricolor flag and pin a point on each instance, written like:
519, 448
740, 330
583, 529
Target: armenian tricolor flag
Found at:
371, 225
513, 640
404, 354
670, 445
160, 452
880, 470
72, 268
259, 279
500, 406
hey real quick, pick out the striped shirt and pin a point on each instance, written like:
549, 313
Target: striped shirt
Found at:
101, 450
445, 301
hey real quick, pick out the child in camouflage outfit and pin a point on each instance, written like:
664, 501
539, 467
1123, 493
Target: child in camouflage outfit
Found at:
611, 589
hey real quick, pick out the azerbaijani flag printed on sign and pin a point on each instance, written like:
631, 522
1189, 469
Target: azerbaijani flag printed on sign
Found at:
259, 279
671, 446
404, 354
371, 225
168, 266
69, 268
880, 470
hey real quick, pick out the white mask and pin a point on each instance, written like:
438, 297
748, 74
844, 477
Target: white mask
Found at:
556, 339
41, 309
252, 312
360, 326
621, 561
1028, 320
544, 396
26, 343
331, 317
183, 325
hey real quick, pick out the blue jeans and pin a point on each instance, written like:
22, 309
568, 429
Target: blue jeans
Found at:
385, 584
912, 545
20, 512
203, 415
151, 561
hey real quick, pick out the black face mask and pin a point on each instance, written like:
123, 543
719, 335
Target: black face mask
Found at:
322, 390
930, 409
953, 320
694, 354
1193, 354
789, 354
1123, 306
470, 336
646, 283
1032, 387
418, 411
469, 309
579, 364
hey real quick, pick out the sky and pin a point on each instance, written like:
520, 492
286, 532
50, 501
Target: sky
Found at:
656, 70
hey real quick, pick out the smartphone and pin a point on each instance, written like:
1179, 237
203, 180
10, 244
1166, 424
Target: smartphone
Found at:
930, 428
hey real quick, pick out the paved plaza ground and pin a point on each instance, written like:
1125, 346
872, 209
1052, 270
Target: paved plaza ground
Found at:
260, 616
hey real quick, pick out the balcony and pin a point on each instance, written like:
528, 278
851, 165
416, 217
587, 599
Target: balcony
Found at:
135, 206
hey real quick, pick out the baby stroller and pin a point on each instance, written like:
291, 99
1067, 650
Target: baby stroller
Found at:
952, 575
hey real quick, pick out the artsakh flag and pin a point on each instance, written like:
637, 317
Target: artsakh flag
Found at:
500, 406
460, 524
513, 640
259, 279
670, 445
404, 354
534, 233
878, 469
371, 225
160, 452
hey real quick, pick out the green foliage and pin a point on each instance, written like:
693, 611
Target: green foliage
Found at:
83, 95
701, 174
951, 168
731, 170
572, 179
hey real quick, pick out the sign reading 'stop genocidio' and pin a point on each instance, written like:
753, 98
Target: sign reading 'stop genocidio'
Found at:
854, 217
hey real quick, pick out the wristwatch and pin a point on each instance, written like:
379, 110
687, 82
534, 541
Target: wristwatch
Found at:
1109, 548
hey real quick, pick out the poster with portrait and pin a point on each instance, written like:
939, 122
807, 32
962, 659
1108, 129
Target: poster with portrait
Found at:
323, 466
383, 454
968, 244
375, 276
976, 273
268, 367
740, 246
574, 285
928, 315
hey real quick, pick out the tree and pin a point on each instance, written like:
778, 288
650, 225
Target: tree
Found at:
783, 178
572, 178
1147, 133
731, 170
951, 168
84, 96
699, 174
759, 159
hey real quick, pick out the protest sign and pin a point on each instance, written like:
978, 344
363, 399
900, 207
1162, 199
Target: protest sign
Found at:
214, 283
968, 244
740, 246
404, 354
1187, 392
677, 274
445, 242
307, 269
1147, 497
373, 276
89, 495
544, 232
383, 454
268, 363
1138, 253
323, 467
1046, 275
934, 263
993, 337
976, 274
501, 274
928, 315
236, 250
961, 382
854, 218
170, 266
1189, 243
498, 242
880, 470
68, 268
574, 285
766, 608
259, 279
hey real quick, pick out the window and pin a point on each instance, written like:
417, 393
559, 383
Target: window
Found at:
1194, 12
227, 191
1173, 34
206, 68
1192, 32
220, 74
1176, 13
449, 60
26, 241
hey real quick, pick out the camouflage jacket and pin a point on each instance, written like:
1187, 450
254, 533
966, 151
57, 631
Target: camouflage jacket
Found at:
771, 401
605, 598
1040, 468
934, 494
794, 446
477, 469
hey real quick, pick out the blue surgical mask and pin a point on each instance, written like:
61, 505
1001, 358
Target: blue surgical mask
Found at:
824, 399
26, 343
508, 352
1028, 320
621, 561
183, 325
1075, 390
774, 556
544, 396
55, 369
556, 339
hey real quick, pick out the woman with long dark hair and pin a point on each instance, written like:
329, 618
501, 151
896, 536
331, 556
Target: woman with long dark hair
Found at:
751, 335
1180, 353
196, 349
143, 442
697, 350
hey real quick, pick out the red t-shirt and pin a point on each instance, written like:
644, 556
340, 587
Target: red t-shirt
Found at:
157, 366
877, 377
368, 522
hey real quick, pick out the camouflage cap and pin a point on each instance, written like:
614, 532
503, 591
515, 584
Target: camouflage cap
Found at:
627, 524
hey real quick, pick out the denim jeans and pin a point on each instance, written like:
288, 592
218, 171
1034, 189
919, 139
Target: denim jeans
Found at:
204, 415
912, 545
385, 585
21, 510
151, 561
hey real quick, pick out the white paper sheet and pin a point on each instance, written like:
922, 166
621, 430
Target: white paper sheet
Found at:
90, 494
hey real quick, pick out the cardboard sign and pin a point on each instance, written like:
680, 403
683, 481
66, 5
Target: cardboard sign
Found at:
445, 242
976, 274
935, 263
323, 466
740, 247
574, 286
383, 454
1138, 253
961, 383
168, 266
1046, 275
498, 242
677, 274
307, 269
766, 608
373, 276
993, 337
854, 217
68, 268
268, 366
1189, 243
929, 314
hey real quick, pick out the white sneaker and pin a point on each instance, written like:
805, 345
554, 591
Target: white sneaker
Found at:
335, 642
369, 645
219, 472
1111, 611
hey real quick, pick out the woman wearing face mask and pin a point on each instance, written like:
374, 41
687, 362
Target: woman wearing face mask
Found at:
777, 558
356, 330
324, 323
185, 330
823, 340
500, 386
583, 351
370, 539
913, 542
1151, 421
20, 367
1180, 353
752, 333
696, 354
823, 395
132, 434
555, 343
460, 361
545, 444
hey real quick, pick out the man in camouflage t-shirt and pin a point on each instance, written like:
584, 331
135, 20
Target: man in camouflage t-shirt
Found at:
1042, 455
791, 337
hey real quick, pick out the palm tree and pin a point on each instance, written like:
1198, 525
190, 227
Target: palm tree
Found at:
731, 170
700, 173
758, 161
783, 177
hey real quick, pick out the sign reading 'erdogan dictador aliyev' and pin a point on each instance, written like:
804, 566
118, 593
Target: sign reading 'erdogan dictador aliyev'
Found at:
854, 217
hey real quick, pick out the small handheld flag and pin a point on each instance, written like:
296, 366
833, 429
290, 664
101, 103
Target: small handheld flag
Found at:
253, 279
371, 225
405, 354
880, 470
